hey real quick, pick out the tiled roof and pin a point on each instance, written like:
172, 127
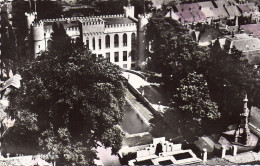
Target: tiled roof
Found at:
117, 20
186, 15
247, 44
221, 3
48, 25
252, 28
207, 12
201, 14
206, 4
251, 6
243, 8
255, 117
233, 11
219, 12
187, 7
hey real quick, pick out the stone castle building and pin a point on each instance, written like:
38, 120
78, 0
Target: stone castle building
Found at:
118, 38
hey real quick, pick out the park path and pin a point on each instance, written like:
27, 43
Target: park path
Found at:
141, 110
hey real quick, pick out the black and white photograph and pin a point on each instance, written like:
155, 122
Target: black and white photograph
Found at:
129, 82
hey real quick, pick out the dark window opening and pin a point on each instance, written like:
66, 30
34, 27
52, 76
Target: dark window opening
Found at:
116, 57
100, 56
116, 40
87, 44
107, 41
108, 56
125, 39
94, 44
133, 40
99, 43
125, 56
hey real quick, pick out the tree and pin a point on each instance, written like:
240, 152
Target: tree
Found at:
192, 106
230, 76
174, 53
70, 102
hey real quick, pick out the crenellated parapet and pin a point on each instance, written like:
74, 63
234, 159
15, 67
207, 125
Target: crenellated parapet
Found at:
31, 14
37, 24
72, 29
82, 18
120, 25
93, 22
93, 34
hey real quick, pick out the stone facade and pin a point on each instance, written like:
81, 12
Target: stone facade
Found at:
113, 37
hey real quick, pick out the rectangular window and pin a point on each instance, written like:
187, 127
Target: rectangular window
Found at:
39, 46
87, 44
94, 44
132, 66
124, 65
108, 56
125, 56
99, 43
100, 56
116, 57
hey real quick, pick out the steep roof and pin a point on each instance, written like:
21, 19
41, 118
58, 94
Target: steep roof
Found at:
219, 12
252, 28
207, 12
243, 8
233, 11
187, 7
221, 3
206, 4
186, 15
251, 6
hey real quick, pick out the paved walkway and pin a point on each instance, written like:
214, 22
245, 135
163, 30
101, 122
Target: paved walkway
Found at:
135, 80
140, 109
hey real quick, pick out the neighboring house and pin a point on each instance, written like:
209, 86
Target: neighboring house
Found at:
233, 12
206, 4
249, 45
253, 29
113, 37
160, 152
219, 13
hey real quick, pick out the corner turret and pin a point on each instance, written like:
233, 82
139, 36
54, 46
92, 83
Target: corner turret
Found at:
129, 11
30, 18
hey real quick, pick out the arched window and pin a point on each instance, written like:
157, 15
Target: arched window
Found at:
133, 40
116, 40
107, 41
93, 43
125, 39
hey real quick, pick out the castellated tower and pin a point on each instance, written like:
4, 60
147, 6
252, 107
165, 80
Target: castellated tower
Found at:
142, 21
30, 18
129, 11
37, 32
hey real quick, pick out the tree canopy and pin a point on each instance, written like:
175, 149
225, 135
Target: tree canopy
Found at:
69, 104
222, 78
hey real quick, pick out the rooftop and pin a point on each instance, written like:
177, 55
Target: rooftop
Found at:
219, 12
233, 11
252, 28
66, 24
206, 4
118, 20
221, 3
187, 7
